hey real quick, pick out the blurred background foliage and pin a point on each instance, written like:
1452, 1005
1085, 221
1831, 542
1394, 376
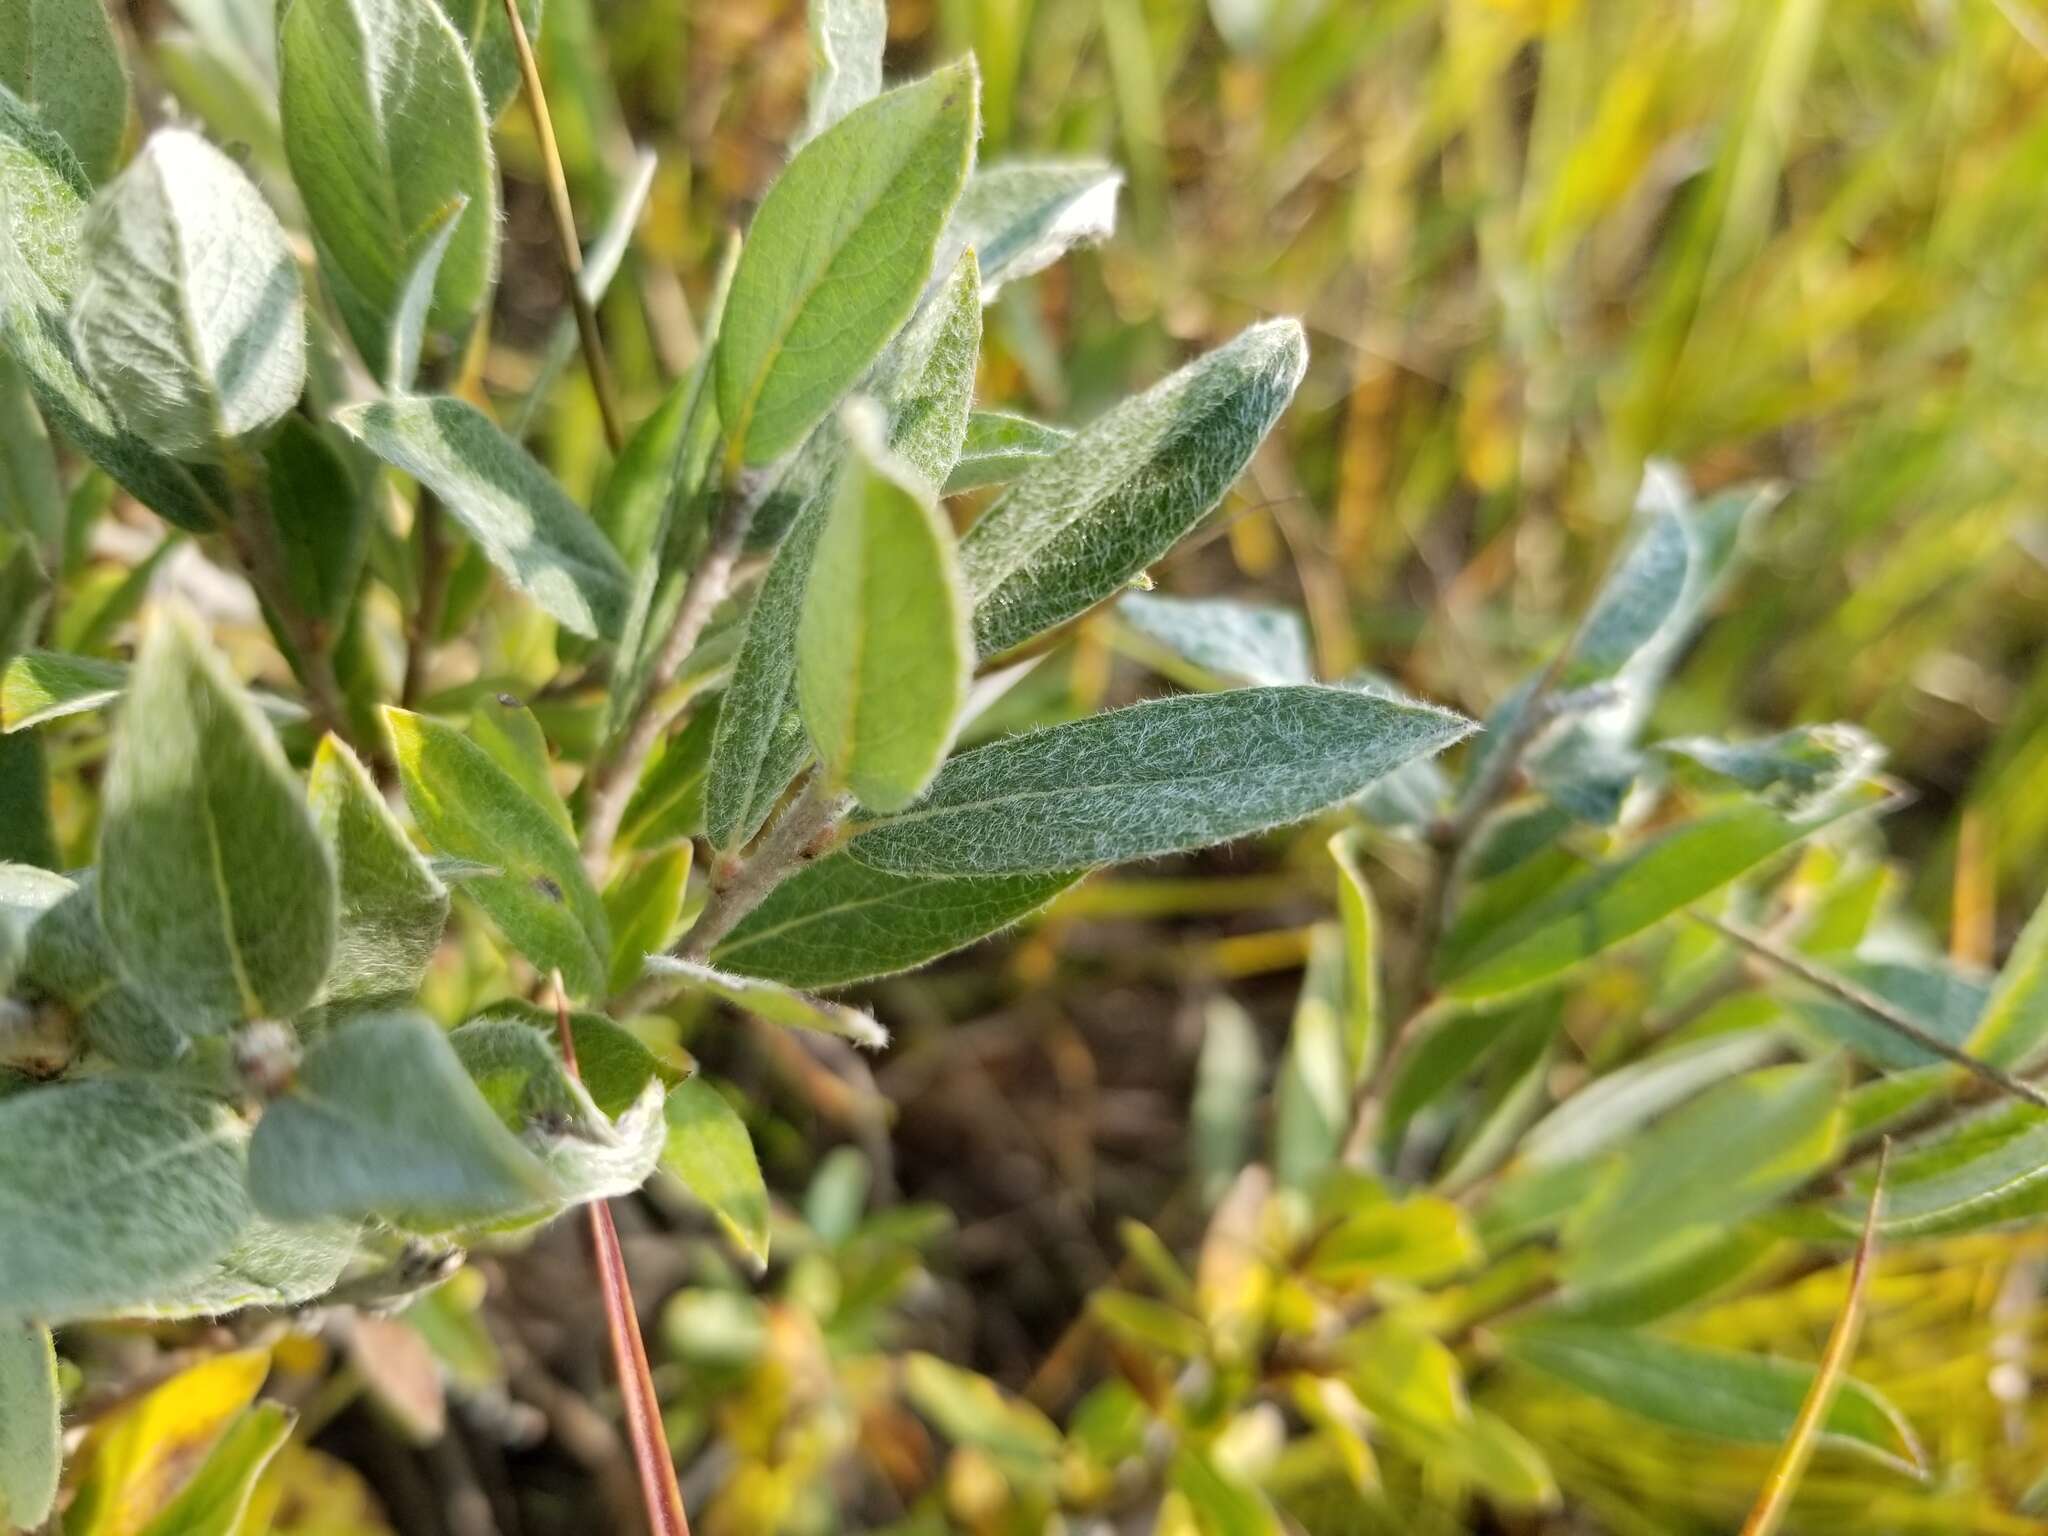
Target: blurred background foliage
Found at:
1537, 243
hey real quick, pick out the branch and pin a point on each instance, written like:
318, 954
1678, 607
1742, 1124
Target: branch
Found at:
1869, 1004
657, 1470
565, 232
612, 778
808, 818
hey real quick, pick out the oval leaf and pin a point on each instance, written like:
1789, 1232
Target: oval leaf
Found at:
216, 891
709, 1150
188, 317
60, 56
836, 258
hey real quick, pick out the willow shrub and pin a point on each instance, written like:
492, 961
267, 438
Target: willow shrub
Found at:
222, 1092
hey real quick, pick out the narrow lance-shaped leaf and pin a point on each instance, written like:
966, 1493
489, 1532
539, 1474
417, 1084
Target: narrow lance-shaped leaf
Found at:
1024, 215
1749, 1398
1001, 447
770, 1001
523, 521
39, 267
1607, 905
2014, 1023
645, 905
1361, 953
384, 127
839, 921
393, 908
40, 686
709, 1151
215, 888
31, 1435
512, 737
883, 653
926, 384
214, 1502
32, 498
1079, 526
188, 316
836, 258
380, 1120
416, 298
847, 38
111, 1188
471, 808
322, 516
1155, 778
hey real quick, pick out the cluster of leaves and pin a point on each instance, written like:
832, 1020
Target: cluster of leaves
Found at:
221, 1092
811, 568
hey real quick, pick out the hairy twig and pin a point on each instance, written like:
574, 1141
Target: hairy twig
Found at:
1869, 1004
657, 1470
565, 232
796, 832
610, 783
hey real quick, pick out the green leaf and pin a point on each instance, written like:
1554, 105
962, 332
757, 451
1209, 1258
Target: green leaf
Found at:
659, 504
487, 36
969, 1409
926, 384
668, 803
188, 317
709, 1151
111, 1188
68, 959
1154, 778
416, 298
1221, 1500
1220, 638
836, 257
1362, 1000
1622, 1101
31, 1436
31, 493
883, 653
215, 890
1640, 597
218, 1496
381, 1121
268, 1265
1080, 525
644, 906
40, 686
1312, 1095
385, 130
517, 1069
1024, 215
1726, 1155
847, 38
1229, 1076
392, 906
1799, 771
838, 921
27, 835
1753, 1399
771, 1001
612, 1062
1604, 906
507, 730
1989, 1171
1001, 447
1424, 1240
322, 520
470, 808
1945, 1001
39, 266
524, 522
48, 685
2014, 1024
61, 58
